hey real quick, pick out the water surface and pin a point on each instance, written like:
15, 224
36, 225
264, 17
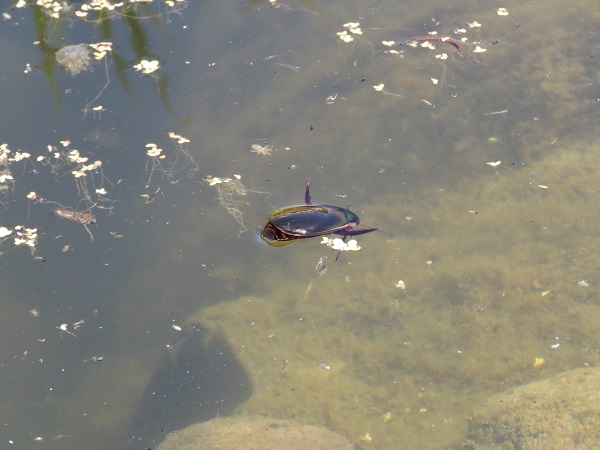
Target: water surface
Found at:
481, 165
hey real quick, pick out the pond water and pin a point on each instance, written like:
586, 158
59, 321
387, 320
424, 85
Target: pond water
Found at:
476, 156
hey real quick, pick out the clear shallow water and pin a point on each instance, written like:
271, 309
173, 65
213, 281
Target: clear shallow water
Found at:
494, 263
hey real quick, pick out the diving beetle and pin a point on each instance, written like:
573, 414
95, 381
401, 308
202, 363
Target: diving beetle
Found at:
306, 221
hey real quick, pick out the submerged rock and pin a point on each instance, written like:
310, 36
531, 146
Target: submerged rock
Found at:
75, 58
560, 412
198, 379
254, 433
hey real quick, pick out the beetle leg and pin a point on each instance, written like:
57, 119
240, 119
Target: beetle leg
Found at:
338, 255
307, 194
344, 236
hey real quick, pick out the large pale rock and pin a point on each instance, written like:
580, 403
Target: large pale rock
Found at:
254, 433
560, 412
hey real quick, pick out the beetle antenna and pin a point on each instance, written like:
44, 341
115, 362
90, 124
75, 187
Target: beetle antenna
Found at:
387, 234
338, 255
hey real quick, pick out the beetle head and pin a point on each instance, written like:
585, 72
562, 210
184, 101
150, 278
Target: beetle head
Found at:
275, 237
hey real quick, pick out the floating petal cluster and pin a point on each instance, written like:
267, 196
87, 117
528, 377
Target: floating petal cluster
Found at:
340, 245
353, 28
26, 236
147, 67
153, 151
57, 9
212, 181
101, 49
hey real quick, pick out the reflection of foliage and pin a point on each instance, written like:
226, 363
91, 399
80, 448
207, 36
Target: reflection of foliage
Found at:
53, 17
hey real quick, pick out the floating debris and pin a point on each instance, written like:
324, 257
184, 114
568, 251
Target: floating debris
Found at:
76, 216
81, 218
231, 193
65, 327
263, 150
175, 166
321, 268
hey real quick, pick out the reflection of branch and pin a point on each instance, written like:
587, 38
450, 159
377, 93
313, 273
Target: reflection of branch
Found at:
139, 39
162, 89
39, 18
